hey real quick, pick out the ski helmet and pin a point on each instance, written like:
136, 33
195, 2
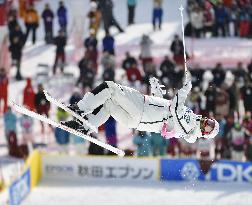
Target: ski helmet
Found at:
209, 128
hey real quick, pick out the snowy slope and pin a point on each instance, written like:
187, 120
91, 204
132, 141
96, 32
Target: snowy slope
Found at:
179, 193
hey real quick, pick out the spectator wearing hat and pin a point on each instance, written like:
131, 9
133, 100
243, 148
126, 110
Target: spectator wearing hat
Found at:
246, 95
222, 103
29, 95
219, 75
10, 127
42, 105
240, 74
90, 44
26, 123
237, 139
233, 19
108, 43
12, 19
159, 144
210, 94
209, 18
87, 73
167, 68
94, 16
17, 41
108, 64
177, 49
197, 74
62, 137
247, 124
48, 17
62, 16
133, 74
60, 42
157, 14
31, 22
244, 21
197, 20
143, 142
128, 61
131, 11
145, 50
221, 18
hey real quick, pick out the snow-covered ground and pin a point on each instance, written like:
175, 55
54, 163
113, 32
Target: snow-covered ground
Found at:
174, 193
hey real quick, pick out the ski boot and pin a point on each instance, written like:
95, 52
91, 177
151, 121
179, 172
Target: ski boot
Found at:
76, 109
76, 125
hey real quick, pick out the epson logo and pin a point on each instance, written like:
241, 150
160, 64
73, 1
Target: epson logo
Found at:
59, 169
231, 172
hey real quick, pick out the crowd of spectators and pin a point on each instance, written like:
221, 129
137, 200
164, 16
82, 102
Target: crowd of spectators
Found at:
219, 18
31, 20
225, 94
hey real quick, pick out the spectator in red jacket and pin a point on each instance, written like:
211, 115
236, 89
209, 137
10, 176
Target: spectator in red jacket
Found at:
133, 74
3, 89
42, 104
29, 95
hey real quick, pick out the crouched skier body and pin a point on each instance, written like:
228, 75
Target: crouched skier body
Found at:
145, 113
126, 105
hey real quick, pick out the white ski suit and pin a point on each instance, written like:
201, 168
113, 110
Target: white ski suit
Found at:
186, 123
142, 112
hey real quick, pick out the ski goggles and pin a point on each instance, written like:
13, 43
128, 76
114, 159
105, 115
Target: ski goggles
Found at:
208, 123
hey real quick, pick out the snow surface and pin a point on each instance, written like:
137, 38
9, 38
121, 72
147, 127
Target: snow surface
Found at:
174, 193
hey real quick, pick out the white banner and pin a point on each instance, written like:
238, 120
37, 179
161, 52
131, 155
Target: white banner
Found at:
100, 168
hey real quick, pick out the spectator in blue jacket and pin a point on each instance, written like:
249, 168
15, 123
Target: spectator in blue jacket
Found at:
131, 11
157, 14
108, 43
143, 142
48, 16
62, 16
62, 136
221, 18
159, 144
10, 122
10, 127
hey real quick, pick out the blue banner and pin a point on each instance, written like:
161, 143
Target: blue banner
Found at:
190, 169
20, 188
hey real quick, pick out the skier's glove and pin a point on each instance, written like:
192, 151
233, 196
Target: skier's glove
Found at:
156, 88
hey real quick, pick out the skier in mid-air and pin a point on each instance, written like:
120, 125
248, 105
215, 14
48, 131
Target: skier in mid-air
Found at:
143, 112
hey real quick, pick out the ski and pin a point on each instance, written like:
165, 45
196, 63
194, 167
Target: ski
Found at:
42, 118
64, 107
